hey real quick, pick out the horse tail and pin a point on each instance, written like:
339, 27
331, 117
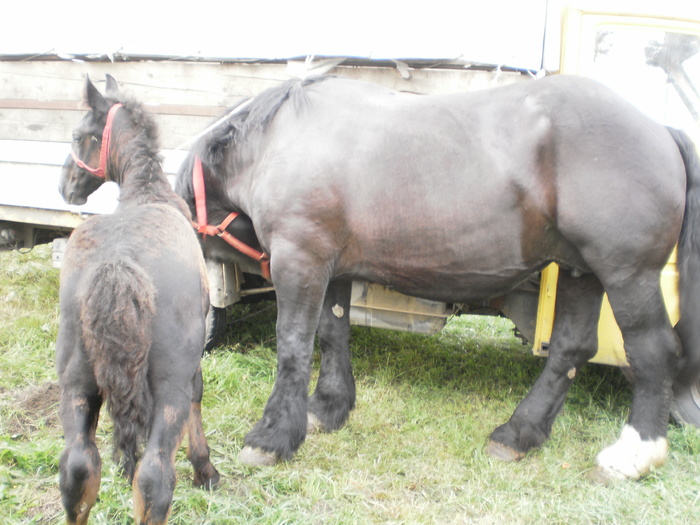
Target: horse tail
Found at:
688, 327
117, 314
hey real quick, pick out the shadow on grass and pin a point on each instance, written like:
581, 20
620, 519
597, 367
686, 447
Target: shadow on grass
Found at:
475, 353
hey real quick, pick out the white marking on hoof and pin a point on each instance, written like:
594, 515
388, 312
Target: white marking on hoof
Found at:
630, 457
256, 457
338, 311
313, 424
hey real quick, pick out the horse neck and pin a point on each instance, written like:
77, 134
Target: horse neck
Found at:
239, 169
146, 183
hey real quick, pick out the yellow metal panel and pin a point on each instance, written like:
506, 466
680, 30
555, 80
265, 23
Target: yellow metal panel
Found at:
610, 343
611, 349
545, 309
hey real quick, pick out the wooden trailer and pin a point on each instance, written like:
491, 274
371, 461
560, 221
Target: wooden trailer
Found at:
650, 57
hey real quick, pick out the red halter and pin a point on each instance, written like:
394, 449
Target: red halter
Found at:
104, 150
206, 229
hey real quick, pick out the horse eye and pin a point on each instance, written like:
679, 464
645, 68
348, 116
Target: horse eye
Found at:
76, 138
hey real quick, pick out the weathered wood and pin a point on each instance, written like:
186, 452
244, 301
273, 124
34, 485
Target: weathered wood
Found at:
41, 100
189, 83
71, 105
57, 125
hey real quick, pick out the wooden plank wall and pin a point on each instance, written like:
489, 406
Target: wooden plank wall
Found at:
41, 100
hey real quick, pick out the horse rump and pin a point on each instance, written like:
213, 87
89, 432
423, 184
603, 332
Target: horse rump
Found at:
117, 311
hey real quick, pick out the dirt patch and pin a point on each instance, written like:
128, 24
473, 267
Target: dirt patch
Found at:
35, 407
46, 505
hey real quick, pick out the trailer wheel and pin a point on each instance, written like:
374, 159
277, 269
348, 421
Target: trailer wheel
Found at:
216, 321
685, 407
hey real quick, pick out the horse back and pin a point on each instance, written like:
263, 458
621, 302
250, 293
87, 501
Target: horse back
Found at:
499, 181
156, 237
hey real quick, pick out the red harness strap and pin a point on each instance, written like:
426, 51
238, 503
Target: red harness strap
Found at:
104, 149
205, 228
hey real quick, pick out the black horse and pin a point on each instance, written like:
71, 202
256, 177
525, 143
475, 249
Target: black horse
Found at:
459, 198
134, 298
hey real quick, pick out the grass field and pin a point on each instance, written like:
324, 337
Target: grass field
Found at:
412, 451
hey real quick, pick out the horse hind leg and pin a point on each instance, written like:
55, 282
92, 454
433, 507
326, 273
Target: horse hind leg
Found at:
80, 465
334, 397
574, 341
652, 349
154, 480
205, 474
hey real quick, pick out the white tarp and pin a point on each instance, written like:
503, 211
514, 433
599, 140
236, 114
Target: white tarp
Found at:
499, 32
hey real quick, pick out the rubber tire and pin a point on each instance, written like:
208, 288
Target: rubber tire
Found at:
216, 322
685, 407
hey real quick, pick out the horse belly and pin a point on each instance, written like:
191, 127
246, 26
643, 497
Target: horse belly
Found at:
444, 263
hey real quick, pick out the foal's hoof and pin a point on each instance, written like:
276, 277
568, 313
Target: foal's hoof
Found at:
255, 457
313, 424
502, 452
207, 480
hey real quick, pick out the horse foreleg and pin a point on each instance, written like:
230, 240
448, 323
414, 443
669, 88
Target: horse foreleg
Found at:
154, 480
574, 341
334, 398
652, 349
282, 429
205, 475
80, 465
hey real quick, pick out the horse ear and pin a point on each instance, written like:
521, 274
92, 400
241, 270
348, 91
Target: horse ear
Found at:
94, 98
112, 87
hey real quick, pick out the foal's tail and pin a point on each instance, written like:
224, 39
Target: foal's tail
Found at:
688, 328
117, 315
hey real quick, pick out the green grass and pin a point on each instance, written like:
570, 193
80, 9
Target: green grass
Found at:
412, 451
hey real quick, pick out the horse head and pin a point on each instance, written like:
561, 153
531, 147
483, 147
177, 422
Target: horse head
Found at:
90, 145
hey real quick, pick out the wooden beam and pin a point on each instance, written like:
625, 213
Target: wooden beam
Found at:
73, 105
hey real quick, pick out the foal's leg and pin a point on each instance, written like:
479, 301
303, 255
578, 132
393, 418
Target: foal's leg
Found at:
652, 349
574, 342
154, 480
80, 465
330, 405
205, 475
300, 292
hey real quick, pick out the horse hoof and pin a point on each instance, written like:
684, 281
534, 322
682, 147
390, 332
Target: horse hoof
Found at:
502, 452
209, 480
210, 483
256, 457
603, 476
313, 424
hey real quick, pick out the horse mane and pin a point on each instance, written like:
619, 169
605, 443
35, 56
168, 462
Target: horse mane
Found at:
148, 183
241, 126
148, 140
255, 117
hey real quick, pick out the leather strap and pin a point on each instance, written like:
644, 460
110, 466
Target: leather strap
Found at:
205, 228
104, 149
